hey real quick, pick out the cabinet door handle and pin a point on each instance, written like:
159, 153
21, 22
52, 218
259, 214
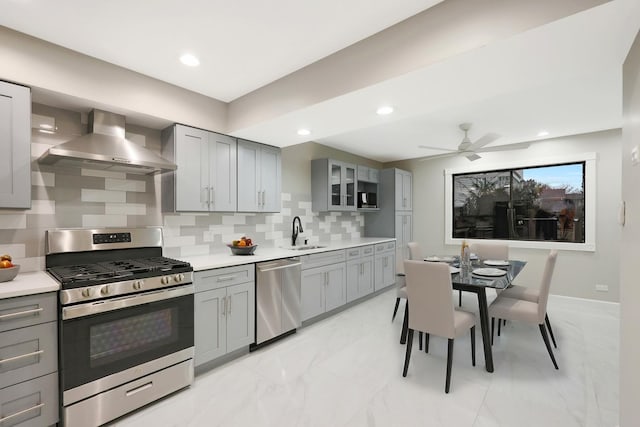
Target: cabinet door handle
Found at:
21, 313
22, 356
24, 411
229, 311
212, 196
225, 278
223, 306
264, 197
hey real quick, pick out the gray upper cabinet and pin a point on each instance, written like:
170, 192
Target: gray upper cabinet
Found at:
333, 185
394, 217
367, 174
205, 180
403, 189
15, 143
259, 177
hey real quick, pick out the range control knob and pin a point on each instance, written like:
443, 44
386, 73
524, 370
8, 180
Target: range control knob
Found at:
105, 290
137, 285
87, 292
165, 280
178, 277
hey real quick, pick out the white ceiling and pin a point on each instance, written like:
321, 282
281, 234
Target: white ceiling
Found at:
563, 77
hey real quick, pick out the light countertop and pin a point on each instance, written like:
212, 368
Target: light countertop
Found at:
224, 258
28, 283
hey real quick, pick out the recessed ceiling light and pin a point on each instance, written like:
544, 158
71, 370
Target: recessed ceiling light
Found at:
383, 111
189, 60
304, 132
46, 131
543, 133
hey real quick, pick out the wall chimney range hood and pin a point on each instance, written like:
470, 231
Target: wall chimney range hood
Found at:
105, 147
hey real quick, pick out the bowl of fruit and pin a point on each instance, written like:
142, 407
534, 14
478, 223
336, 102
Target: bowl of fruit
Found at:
243, 246
8, 270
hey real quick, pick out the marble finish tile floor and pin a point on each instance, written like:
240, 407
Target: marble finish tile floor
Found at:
347, 371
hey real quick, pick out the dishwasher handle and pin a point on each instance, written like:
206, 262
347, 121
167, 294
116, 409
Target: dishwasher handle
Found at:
278, 265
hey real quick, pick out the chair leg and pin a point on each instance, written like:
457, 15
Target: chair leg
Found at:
426, 342
473, 345
405, 324
460, 298
493, 324
449, 360
395, 309
553, 339
408, 354
420, 340
545, 337
499, 325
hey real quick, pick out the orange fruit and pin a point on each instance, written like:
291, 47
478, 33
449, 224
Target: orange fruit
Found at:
242, 243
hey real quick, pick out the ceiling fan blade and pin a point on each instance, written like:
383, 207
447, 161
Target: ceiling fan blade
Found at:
437, 156
484, 140
436, 148
519, 146
472, 156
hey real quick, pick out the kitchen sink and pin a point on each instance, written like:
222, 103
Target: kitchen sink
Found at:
305, 247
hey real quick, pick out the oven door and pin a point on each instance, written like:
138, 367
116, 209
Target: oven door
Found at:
106, 337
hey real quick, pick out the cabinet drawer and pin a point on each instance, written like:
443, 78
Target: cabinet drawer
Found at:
221, 277
29, 310
31, 403
367, 250
353, 253
385, 247
27, 353
323, 258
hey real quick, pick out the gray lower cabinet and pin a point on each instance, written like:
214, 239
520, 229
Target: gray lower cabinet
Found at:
323, 288
28, 361
15, 144
224, 311
259, 177
384, 265
359, 272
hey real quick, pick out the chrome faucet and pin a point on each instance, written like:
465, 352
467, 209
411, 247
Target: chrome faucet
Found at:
295, 230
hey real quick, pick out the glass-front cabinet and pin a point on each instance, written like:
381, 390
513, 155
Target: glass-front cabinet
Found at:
334, 185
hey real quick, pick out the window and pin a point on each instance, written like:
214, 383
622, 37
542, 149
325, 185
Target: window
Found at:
541, 204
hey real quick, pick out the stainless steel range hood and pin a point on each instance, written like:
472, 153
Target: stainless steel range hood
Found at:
105, 147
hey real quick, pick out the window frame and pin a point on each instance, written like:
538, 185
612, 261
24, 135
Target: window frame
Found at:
590, 196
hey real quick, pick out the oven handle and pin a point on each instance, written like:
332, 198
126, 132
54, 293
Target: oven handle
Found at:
124, 302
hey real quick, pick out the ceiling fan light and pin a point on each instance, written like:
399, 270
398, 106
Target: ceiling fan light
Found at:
384, 110
543, 133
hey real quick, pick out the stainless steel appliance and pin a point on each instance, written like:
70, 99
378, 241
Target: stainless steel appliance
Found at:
277, 298
126, 329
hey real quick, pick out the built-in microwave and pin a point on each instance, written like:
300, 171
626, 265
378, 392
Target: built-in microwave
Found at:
367, 200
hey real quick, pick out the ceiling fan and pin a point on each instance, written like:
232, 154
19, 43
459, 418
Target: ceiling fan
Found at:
470, 149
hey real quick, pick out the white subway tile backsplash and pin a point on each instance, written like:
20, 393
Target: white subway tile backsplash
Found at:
177, 241
285, 212
125, 209
42, 207
195, 250
236, 219
125, 185
15, 250
104, 220
285, 197
178, 220
103, 174
93, 195
43, 179
9, 221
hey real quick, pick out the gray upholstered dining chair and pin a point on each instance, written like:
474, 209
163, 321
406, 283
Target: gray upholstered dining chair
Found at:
431, 310
528, 311
497, 251
415, 251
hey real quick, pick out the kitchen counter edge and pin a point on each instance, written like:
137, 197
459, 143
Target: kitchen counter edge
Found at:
28, 283
226, 259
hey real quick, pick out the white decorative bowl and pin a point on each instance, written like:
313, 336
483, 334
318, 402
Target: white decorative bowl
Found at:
7, 274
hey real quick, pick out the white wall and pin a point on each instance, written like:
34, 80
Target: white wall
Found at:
576, 273
630, 245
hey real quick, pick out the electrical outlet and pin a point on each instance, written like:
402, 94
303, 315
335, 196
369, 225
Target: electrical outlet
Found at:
602, 288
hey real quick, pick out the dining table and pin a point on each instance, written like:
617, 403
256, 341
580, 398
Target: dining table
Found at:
464, 279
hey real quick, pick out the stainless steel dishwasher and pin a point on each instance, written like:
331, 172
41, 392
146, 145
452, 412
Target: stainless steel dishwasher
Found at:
277, 298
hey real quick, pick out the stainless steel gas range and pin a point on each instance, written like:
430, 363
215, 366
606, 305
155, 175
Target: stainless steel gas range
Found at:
126, 321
